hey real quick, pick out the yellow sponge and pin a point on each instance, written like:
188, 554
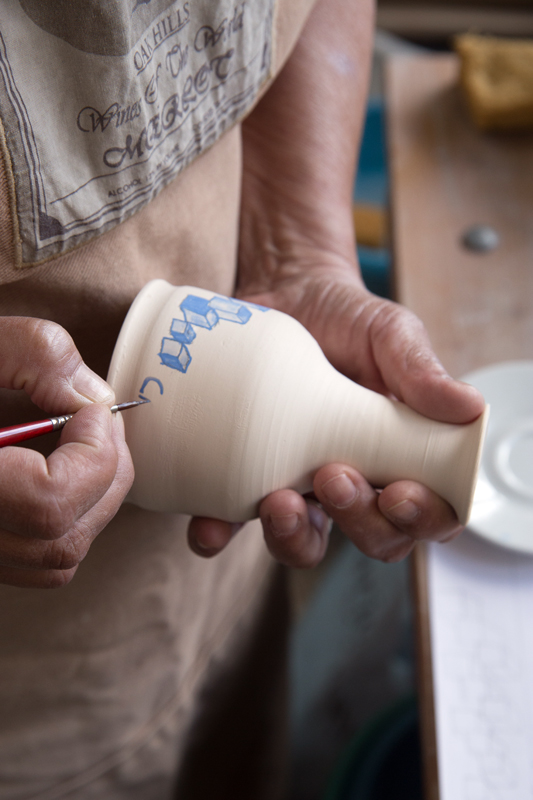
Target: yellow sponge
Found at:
497, 79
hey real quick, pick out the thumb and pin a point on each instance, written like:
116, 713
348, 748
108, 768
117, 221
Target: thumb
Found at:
41, 358
413, 373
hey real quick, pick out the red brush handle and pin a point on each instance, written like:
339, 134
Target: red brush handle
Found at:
29, 430
18, 433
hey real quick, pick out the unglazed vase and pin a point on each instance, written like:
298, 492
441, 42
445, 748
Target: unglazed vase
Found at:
244, 402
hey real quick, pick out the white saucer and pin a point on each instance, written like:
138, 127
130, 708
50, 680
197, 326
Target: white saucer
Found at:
503, 501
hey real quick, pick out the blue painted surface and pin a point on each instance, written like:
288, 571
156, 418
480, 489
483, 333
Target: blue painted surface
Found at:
230, 310
372, 186
182, 331
197, 311
174, 354
204, 314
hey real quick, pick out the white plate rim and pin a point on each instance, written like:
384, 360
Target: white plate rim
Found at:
516, 540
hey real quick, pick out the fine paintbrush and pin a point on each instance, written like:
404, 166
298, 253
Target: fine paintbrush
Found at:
29, 430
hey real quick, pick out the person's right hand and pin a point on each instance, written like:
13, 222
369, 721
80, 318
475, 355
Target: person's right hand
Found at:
52, 509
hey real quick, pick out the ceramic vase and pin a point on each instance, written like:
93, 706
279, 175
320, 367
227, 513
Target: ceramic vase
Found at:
244, 402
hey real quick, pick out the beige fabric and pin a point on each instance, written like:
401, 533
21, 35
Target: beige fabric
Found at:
101, 681
121, 652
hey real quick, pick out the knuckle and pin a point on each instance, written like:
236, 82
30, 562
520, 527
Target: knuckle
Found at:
389, 319
63, 554
52, 342
397, 324
52, 356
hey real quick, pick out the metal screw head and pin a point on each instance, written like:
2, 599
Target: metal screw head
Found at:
480, 238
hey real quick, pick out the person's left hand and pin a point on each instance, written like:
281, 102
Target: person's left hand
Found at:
384, 347
297, 254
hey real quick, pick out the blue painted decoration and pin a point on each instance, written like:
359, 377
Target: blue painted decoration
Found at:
182, 331
203, 313
230, 310
198, 311
145, 384
174, 354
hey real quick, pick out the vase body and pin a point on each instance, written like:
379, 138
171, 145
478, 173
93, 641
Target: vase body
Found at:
243, 402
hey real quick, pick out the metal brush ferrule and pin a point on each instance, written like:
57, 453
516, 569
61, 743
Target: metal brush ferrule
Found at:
59, 422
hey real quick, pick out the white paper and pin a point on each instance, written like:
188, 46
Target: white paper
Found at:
481, 612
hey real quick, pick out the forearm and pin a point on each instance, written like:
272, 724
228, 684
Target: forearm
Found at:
301, 142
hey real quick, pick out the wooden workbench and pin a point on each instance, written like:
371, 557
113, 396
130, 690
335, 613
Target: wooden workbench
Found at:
478, 307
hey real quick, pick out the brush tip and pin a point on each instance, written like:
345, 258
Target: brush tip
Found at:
131, 404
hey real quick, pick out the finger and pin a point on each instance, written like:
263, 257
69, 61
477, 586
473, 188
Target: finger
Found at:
66, 553
40, 357
418, 512
353, 505
412, 371
36, 579
44, 498
207, 537
296, 531
102, 512
21, 553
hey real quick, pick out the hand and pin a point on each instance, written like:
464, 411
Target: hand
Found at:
384, 347
297, 254
52, 509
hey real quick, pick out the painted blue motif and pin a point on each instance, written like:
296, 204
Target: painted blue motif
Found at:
230, 310
182, 331
174, 354
255, 307
197, 311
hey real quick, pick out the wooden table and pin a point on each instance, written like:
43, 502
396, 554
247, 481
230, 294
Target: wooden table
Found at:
478, 307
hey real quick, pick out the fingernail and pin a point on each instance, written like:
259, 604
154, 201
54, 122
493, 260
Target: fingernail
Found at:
319, 519
340, 491
201, 546
283, 524
404, 511
90, 385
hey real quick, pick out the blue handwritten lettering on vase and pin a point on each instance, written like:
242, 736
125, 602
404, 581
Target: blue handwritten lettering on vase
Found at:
203, 313
145, 384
